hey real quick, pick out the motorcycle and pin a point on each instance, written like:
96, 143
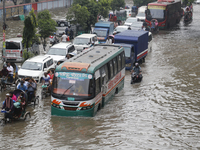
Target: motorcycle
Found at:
53, 40
136, 78
187, 17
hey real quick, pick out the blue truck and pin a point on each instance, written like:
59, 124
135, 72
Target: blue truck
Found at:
135, 45
102, 30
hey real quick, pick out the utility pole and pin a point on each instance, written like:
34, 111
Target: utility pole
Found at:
4, 30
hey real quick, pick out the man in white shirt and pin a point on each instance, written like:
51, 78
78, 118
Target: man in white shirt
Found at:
10, 70
64, 37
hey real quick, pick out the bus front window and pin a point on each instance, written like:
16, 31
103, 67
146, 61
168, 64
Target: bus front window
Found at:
156, 14
72, 84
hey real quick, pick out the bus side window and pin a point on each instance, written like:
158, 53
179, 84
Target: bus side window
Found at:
106, 72
115, 66
119, 62
111, 69
98, 86
123, 60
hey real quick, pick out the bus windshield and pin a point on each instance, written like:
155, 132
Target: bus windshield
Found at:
156, 13
72, 84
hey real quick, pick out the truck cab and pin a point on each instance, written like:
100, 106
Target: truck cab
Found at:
103, 30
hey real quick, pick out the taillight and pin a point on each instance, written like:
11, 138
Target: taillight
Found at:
20, 53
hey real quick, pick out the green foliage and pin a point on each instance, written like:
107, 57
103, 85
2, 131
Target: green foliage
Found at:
80, 13
139, 3
187, 2
27, 54
46, 25
85, 12
104, 7
116, 4
29, 30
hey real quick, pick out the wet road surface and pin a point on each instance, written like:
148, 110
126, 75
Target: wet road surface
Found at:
161, 112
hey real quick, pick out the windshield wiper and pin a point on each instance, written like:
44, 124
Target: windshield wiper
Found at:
66, 90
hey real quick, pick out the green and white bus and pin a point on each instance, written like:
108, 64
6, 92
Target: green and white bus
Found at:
82, 85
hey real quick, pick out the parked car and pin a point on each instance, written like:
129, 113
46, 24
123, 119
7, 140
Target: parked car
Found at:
119, 29
60, 50
130, 20
84, 41
35, 67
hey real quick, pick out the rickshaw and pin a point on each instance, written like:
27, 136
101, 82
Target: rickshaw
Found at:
7, 79
11, 116
35, 99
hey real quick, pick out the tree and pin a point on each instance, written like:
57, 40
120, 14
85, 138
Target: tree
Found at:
80, 13
46, 25
187, 2
29, 30
139, 3
116, 4
104, 7
89, 15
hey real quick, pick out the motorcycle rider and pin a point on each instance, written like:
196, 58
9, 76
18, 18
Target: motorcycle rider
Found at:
137, 71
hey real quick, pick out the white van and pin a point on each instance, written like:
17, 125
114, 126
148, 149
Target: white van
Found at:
14, 50
141, 13
35, 67
84, 41
60, 50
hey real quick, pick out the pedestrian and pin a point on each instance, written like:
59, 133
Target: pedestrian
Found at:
10, 70
64, 37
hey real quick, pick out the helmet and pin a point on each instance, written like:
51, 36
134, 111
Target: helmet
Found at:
136, 64
54, 33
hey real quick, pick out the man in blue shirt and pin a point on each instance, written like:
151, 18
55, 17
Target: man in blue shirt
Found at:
21, 86
31, 89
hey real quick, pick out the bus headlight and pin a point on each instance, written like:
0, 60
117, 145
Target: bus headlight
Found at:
88, 107
55, 105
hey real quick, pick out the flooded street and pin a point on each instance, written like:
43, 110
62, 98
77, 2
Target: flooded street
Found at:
161, 112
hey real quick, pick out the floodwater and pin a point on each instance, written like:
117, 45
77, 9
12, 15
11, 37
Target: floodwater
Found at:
161, 112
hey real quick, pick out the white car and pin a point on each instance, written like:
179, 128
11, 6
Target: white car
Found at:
141, 13
141, 16
119, 29
197, 2
136, 26
84, 41
60, 50
35, 67
130, 20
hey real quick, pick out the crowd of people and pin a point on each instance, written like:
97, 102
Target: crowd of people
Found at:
15, 104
